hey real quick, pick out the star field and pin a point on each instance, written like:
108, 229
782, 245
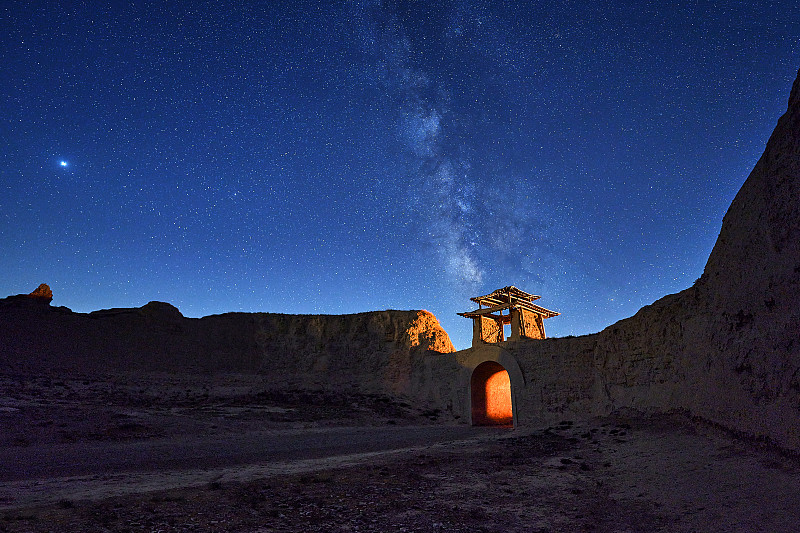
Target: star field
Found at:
337, 157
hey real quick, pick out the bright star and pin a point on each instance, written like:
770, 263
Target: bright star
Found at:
63, 163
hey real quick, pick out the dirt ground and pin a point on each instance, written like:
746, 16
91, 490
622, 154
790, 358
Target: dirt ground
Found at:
608, 475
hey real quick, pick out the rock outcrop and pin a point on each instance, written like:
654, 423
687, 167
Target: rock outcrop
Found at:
43, 293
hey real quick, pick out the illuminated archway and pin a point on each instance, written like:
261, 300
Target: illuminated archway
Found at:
490, 390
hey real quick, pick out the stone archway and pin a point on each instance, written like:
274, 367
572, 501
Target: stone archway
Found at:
490, 392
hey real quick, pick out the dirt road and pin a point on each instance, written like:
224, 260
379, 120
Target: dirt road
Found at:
216, 451
47, 474
620, 476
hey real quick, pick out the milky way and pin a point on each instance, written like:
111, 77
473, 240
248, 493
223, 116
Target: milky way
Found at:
475, 220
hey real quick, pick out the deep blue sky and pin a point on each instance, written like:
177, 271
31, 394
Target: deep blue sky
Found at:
319, 157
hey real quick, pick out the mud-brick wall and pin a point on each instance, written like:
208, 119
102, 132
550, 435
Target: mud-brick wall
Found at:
560, 378
679, 353
491, 330
528, 323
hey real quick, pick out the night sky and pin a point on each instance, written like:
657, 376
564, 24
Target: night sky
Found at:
339, 157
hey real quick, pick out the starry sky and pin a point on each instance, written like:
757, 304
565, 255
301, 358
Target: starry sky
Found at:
339, 157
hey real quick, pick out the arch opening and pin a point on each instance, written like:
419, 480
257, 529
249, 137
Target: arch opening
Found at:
490, 389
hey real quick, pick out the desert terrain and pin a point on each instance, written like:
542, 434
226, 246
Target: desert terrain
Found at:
168, 453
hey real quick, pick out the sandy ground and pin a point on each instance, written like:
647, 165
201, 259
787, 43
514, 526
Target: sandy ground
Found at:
359, 463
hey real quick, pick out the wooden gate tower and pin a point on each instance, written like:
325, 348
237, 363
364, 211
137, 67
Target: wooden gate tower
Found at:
525, 317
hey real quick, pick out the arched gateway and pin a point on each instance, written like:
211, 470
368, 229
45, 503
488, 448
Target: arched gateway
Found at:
489, 381
491, 377
491, 395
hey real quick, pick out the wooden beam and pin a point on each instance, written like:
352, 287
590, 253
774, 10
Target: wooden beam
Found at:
489, 310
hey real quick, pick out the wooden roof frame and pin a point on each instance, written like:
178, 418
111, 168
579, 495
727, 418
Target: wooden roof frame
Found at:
505, 295
506, 298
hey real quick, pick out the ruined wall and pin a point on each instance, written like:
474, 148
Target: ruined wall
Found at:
726, 350
374, 351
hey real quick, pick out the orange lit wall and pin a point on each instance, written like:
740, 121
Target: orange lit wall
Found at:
491, 395
498, 398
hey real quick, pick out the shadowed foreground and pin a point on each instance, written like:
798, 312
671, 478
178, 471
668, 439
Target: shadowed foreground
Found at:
659, 474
